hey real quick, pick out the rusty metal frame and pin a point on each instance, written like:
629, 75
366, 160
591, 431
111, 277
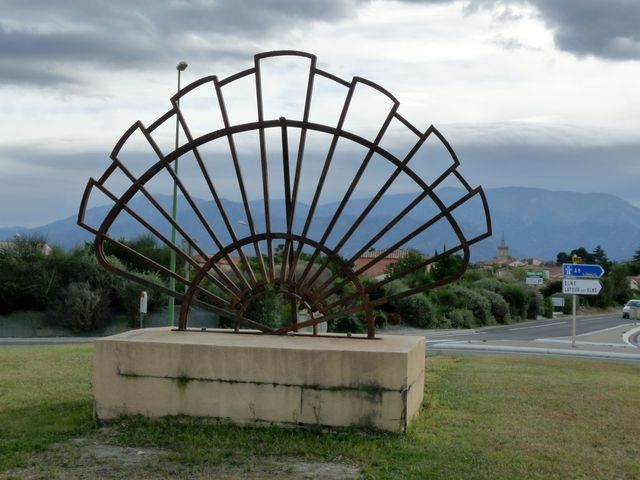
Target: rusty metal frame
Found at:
233, 294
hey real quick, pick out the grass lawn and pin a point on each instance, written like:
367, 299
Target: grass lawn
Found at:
45, 397
486, 417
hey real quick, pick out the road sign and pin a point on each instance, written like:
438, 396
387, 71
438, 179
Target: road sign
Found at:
581, 286
574, 270
534, 278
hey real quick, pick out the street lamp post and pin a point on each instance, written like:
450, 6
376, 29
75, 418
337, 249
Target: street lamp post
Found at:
174, 210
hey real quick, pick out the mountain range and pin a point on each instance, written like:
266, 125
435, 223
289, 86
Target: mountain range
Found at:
535, 223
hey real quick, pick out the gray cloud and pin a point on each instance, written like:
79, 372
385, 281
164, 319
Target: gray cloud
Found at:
40, 40
593, 27
604, 29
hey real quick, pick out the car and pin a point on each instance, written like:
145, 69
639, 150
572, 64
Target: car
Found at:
631, 304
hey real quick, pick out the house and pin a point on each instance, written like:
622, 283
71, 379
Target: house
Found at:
634, 282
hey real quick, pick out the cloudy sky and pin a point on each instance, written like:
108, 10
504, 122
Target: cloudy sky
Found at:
540, 93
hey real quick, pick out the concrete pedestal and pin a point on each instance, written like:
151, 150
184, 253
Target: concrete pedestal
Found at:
297, 380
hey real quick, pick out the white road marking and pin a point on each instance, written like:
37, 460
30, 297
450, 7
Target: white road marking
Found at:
445, 341
626, 338
560, 340
603, 317
536, 326
531, 350
605, 329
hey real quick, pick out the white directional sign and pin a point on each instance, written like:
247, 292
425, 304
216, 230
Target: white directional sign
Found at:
534, 278
581, 286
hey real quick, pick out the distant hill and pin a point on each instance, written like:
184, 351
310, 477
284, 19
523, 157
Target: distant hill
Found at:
535, 223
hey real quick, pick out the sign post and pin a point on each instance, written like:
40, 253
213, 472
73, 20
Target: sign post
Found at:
573, 321
580, 279
143, 306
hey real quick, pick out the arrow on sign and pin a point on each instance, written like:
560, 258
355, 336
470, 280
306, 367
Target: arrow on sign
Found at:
581, 286
582, 270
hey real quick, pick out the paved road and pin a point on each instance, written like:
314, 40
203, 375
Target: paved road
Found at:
605, 336
559, 327
599, 336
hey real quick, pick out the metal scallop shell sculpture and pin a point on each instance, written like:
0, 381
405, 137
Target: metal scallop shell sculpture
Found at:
298, 185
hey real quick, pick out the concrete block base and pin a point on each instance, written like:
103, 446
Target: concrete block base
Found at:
298, 380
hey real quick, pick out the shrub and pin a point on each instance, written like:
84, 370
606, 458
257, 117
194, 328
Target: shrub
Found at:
499, 307
491, 284
267, 310
27, 275
445, 298
416, 310
517, 298
353, 323
80, 307
380, 319
551, 287
392, 288
472, 300
548, 308
442, 322
461, 318
535, 304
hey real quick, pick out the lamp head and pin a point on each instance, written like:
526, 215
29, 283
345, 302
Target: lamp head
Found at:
182, 66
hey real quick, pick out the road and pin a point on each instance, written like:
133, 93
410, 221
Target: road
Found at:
597, 336
560, 327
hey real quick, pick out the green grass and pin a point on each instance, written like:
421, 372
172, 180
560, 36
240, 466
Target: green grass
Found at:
484, 417
45, 397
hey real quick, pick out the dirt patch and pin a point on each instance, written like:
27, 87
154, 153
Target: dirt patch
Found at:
89, 459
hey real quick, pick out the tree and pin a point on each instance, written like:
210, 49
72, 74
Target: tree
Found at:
634, 265
563, 257
600, 257
409, 261
620, 283
597, 256
446, 267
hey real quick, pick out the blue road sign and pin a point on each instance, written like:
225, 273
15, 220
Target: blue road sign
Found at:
582, 270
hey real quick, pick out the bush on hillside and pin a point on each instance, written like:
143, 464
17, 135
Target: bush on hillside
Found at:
80, 307
461, 318
474, 301
517, 298
417, 311
380, 319
491, 284
535, 304
499, 307
548, 308
457, 297
353, 323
